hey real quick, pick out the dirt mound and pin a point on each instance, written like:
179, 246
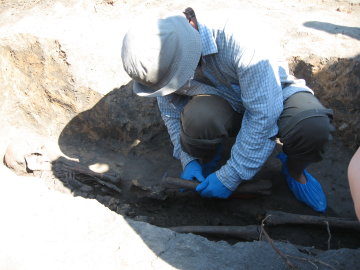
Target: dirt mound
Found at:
38, 91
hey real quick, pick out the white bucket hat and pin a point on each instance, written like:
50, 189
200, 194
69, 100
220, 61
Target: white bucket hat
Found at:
161, 55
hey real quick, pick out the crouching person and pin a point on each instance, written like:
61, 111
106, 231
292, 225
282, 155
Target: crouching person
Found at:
215, 80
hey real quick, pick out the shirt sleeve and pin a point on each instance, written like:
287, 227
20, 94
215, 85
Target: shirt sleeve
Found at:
262, 99
171, 107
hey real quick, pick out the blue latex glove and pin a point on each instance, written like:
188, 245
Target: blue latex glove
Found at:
193, 171
213, 188
310, 193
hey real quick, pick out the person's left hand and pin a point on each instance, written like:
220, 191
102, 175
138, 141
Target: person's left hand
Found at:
213, 188
193, 171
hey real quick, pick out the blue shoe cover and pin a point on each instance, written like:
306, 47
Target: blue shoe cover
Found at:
310, 193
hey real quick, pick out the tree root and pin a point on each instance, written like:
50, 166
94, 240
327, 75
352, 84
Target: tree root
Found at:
286, 257
279, 218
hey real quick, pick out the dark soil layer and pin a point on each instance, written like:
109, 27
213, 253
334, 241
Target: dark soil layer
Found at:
143, 154
187, 208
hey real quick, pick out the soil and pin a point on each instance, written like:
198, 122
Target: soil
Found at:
147, 162
125, 135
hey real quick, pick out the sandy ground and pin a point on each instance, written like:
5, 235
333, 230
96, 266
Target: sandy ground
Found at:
90, 34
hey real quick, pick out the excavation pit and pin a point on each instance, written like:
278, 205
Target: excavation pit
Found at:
118, 151
68, 129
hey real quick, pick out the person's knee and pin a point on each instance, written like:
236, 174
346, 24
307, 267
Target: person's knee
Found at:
309, 139
317, 130
206, 117
205, 123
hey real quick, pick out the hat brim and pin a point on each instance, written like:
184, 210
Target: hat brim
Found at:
184, 64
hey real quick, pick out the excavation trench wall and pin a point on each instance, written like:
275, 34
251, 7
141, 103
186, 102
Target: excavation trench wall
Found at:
39, 93
64, 84
57, 56
336, 82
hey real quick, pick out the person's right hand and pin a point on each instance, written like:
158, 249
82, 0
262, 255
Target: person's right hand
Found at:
193, 171
213, 188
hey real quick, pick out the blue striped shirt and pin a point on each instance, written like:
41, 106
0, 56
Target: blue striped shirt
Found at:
237, 68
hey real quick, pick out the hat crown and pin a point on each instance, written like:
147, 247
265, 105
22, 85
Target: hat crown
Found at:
160, 54
150, 56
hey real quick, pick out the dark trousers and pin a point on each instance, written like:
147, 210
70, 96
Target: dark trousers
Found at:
304, 126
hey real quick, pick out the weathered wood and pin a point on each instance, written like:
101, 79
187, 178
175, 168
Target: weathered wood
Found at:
249, 233
257, 187
104, 179
280, 218
75, 166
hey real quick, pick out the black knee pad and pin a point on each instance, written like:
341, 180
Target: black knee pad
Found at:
305, 127
308, 139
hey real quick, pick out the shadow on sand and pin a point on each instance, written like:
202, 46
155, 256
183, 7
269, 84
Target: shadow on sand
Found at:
353, 32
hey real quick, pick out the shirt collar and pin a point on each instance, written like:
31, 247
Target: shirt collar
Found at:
207, 40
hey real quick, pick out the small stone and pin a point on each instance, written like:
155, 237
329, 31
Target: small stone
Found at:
124, 209
343, 126
14, 156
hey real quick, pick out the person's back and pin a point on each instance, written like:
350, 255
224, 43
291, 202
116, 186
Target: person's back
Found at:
218, 78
